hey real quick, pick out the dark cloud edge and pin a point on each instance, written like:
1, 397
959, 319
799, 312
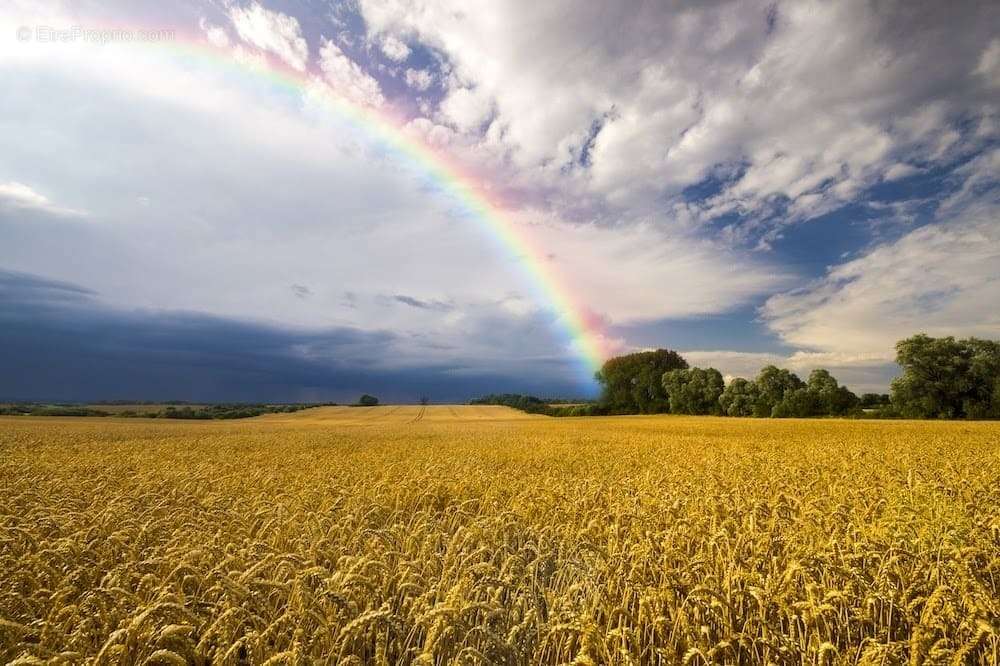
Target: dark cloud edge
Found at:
58, 342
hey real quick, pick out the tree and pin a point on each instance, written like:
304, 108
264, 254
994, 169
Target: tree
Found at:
983, 398
947, 378
798, 403
367, 400
845, 402
833, 399
820, 396
932, 382
424, 400
526, 403
633, 384
873, 400
694, 391
739, 398
772, 385
995, 410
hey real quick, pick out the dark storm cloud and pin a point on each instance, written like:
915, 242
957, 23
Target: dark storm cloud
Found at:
59, 342
15, 287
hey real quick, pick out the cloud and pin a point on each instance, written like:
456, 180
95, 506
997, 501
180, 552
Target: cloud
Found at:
16, 196
346, 77
639, 273
25, 288
58, 341
979, 177
301, 291
277, 198
216, 35
466, 108
270, 31
394, 49
803, 124
419, 79
989, 64
440, 306
936, 279
899, 171
271, 198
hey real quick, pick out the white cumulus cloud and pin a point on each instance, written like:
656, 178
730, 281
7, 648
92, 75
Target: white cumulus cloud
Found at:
419, 79
216, 35
639, 274
941, 279
801, 123
466, 108
900, 170
346, 77
271, 31
394, 48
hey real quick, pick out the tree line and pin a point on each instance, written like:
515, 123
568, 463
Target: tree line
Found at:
533, 405
661, 381
941, 378
175, 409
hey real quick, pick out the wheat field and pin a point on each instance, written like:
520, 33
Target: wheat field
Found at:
479, 535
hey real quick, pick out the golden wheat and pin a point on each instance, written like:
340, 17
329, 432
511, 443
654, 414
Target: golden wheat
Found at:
479, 535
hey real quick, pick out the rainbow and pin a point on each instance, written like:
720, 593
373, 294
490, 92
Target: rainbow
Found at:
584, 332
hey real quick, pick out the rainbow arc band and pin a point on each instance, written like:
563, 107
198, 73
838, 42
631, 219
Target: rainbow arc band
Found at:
586, 339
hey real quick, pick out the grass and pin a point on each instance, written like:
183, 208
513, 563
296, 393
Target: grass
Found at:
483, 535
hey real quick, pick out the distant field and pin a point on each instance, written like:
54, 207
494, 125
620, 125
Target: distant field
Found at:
477, 535
400, 414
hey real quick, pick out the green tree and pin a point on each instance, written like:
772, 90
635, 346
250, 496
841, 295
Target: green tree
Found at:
367, 400
772, 385
872, 400
694, 391
947, 378
739, 398
798, 403
526, 403
633, 384
995, 409
982, 400
933, 379
833, 399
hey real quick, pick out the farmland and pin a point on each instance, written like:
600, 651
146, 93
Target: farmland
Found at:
477, 534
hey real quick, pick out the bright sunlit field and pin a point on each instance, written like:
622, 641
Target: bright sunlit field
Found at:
482, 535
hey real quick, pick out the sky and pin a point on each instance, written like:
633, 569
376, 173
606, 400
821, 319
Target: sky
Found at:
233, 200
